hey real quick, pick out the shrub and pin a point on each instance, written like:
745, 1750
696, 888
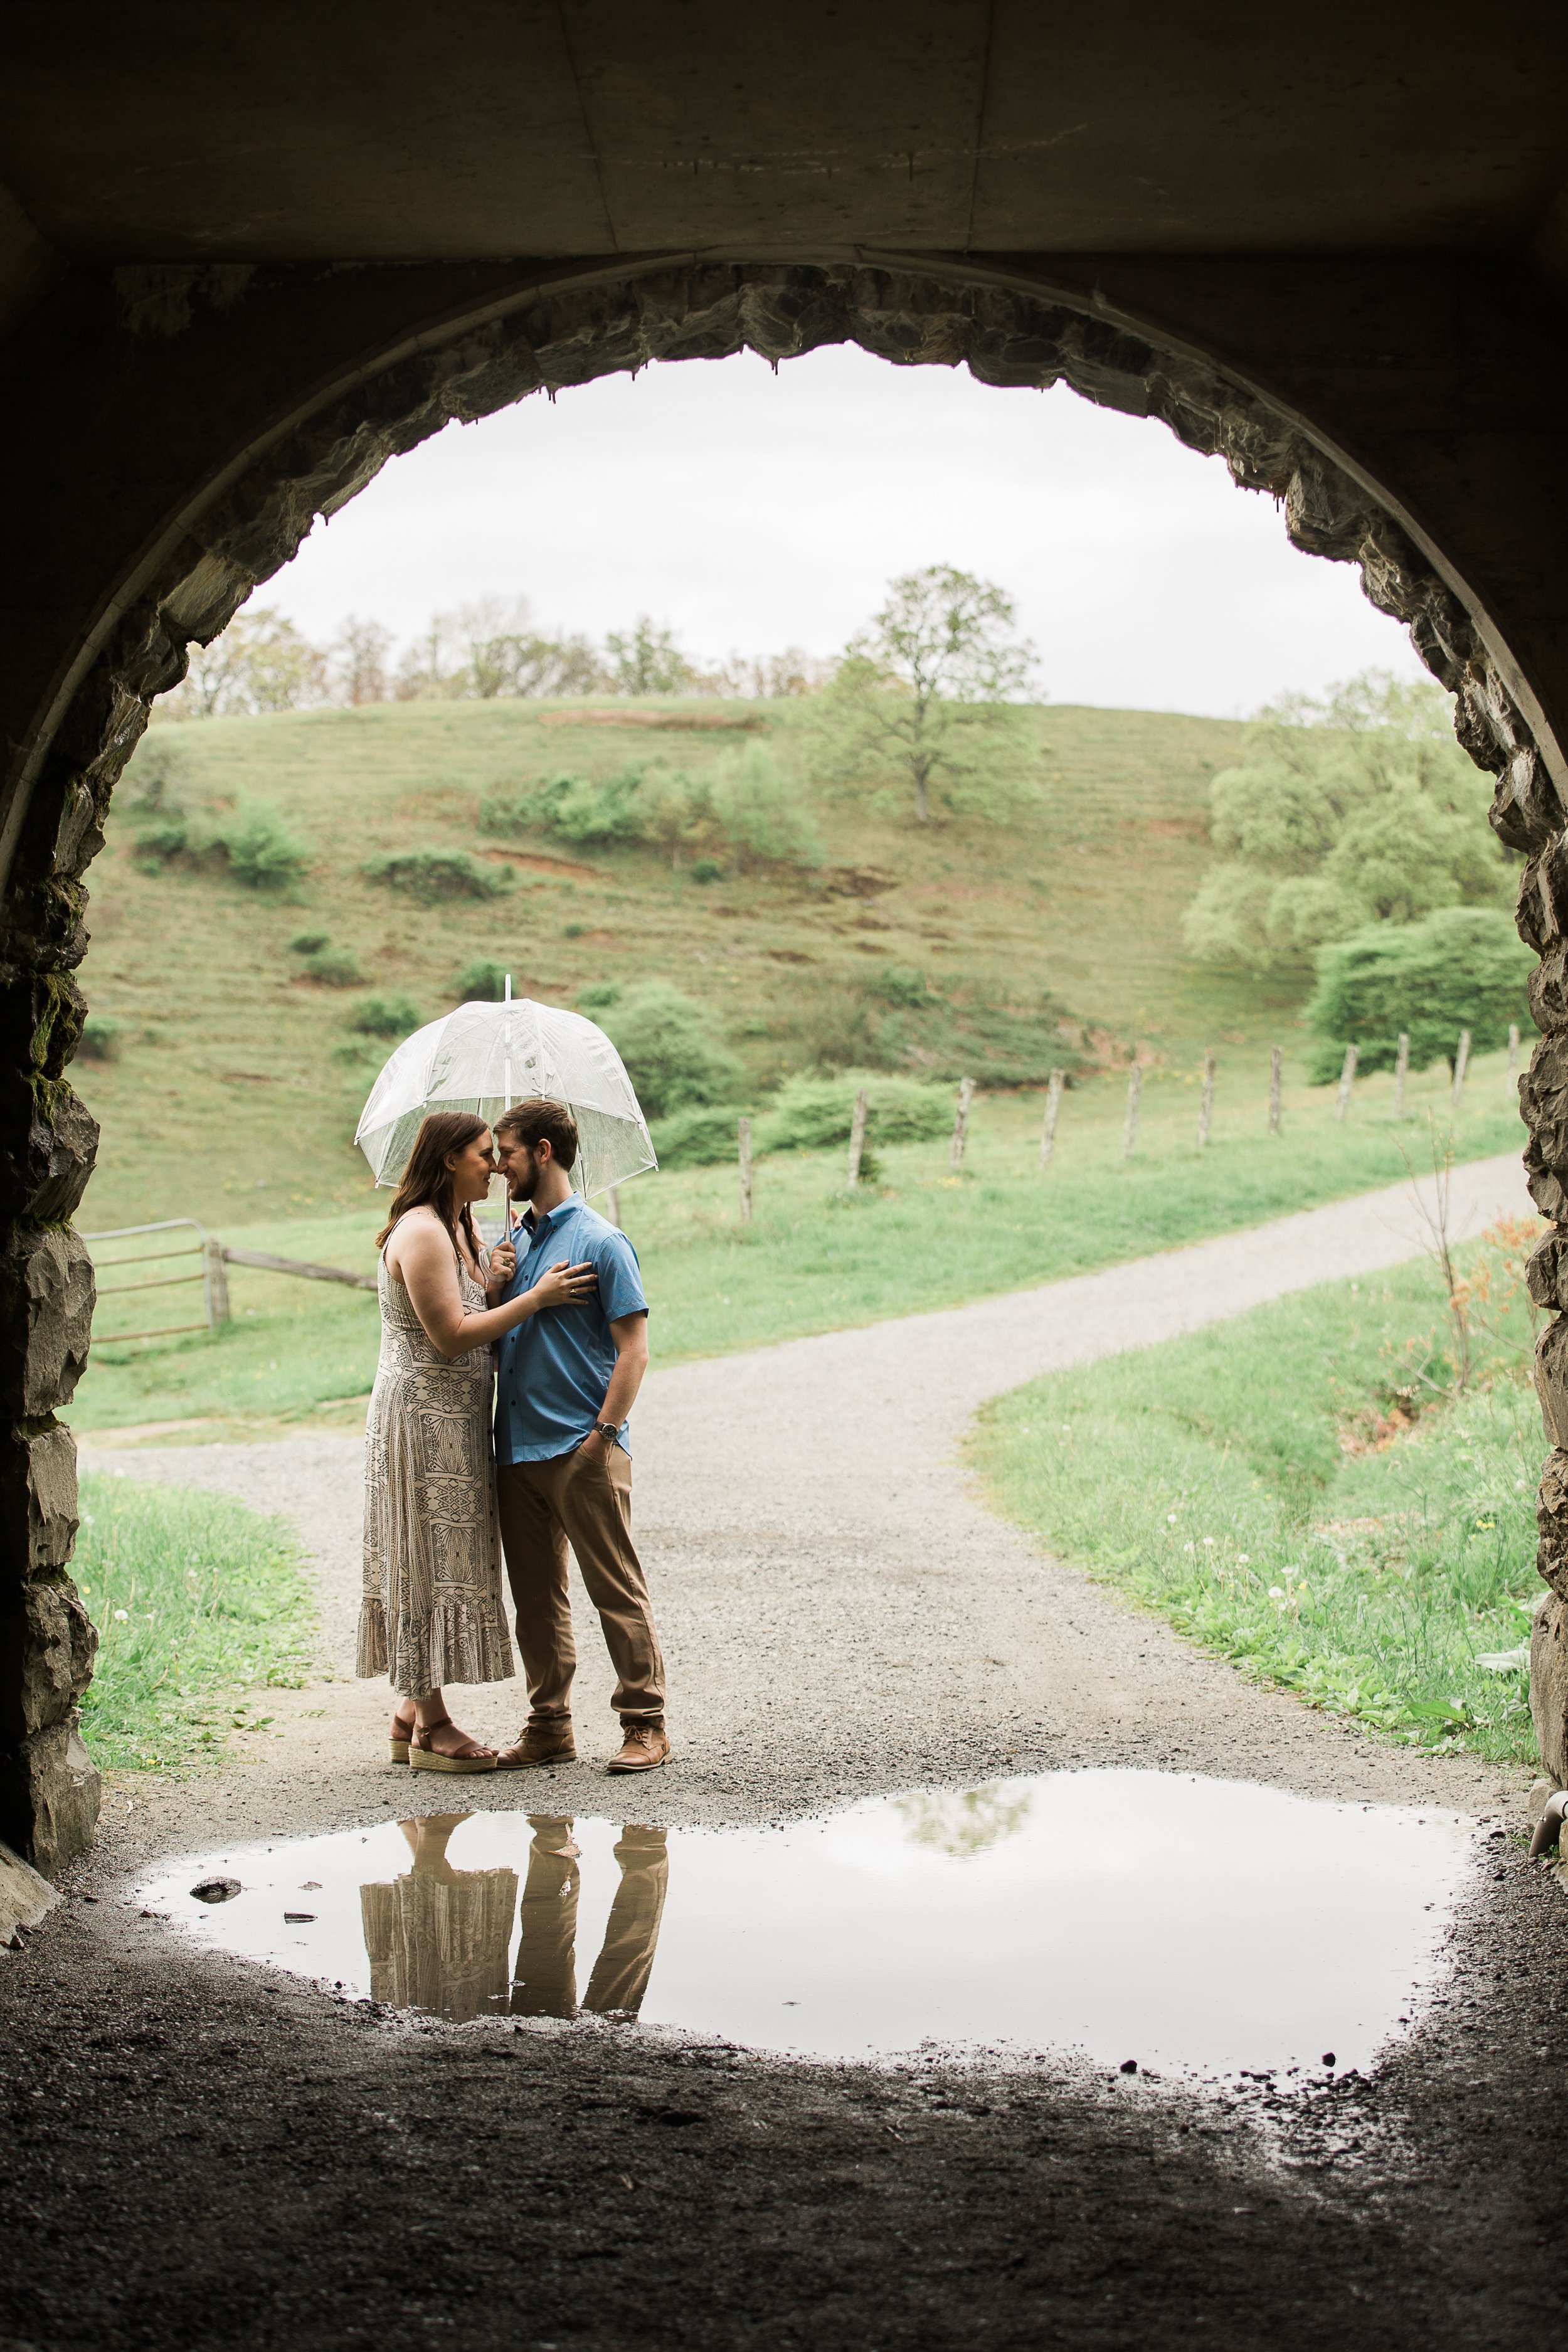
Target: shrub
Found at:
433, 875
760, 812
810, 1114
333, 968
508, 810
675, 813
384, 1016
100, 1040
1463, 968
261, 851
579, 809
902, 985
163, 837
598, 996
1357, 810
706, 869
308, 943
670, 1048
480, 983
703, 1137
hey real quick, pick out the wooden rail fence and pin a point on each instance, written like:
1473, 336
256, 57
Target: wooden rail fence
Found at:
216, 1258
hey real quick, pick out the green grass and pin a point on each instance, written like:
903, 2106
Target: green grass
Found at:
1253, 1485
237, 1078
197, 1601
816, 1259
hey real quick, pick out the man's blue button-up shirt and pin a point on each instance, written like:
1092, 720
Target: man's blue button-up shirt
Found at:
552, 1370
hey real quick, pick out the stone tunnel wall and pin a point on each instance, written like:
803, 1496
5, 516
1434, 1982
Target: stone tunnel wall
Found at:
550, 341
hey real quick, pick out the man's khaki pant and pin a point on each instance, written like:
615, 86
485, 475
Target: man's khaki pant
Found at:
545, 1977
576, 1500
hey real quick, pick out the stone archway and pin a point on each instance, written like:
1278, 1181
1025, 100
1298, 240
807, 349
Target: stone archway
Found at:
250, 517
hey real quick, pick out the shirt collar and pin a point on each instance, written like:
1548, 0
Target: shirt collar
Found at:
535, 1225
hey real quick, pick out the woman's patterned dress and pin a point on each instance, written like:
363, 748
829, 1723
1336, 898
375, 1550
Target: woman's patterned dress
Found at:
432, 1610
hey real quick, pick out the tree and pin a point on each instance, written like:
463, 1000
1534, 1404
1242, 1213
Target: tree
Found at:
764, 677
925, 694
649, 661
675, 812
1356, 810
508, 658
261, 662
760, 812
667, 1041
490, 651
359, 662
1462, 968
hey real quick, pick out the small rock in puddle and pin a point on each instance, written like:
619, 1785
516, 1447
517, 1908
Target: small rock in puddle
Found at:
1213, 1926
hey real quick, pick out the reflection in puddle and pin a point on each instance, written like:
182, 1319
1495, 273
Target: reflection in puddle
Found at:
437, 1938
1193, 1925
544, 1975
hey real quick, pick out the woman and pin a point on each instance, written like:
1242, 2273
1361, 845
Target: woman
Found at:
437, 1938
432, 1607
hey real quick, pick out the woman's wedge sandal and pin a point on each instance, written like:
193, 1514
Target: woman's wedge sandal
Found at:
399, 1741
471, 1757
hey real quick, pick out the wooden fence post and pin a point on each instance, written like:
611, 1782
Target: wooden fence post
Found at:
1275, 1063
1512, 1054
1461, 1063
1205, 1100
216, 1267
1401, 1072
1048, 1125
1134, 1097
1347, 1079
744, 1133
856, 1139
960, 1123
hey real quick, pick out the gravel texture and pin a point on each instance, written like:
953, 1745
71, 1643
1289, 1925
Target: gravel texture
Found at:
203, 2152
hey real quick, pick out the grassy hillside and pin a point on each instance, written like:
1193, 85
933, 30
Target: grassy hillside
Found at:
236, 1079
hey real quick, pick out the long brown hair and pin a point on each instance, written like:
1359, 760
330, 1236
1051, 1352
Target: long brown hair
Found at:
427, 1180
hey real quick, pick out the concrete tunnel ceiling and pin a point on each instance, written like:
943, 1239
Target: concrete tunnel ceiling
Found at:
177, 133
246, 256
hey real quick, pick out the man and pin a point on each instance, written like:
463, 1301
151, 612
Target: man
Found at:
545, 1981
565, 1383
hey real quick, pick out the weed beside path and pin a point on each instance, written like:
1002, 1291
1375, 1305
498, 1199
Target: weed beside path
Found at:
1304, 1491
200, 1603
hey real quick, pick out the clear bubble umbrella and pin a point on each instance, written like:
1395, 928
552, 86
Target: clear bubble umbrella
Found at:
485, 1057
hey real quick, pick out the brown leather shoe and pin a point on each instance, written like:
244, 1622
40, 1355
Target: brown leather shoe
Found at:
645, 1750
546, 1742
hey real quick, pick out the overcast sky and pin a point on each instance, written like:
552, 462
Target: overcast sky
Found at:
749, 511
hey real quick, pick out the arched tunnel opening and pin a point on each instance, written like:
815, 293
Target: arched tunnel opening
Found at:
390, 1951
253, 513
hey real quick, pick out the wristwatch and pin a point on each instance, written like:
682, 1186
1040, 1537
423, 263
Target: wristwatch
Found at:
607, 1431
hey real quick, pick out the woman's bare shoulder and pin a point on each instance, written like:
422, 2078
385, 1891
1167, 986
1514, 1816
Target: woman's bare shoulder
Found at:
421, 1217
418, 1232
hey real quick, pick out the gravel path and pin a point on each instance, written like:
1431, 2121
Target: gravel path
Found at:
839, 1611
221, 2155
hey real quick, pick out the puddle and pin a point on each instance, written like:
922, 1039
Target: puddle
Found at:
1198, 1926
